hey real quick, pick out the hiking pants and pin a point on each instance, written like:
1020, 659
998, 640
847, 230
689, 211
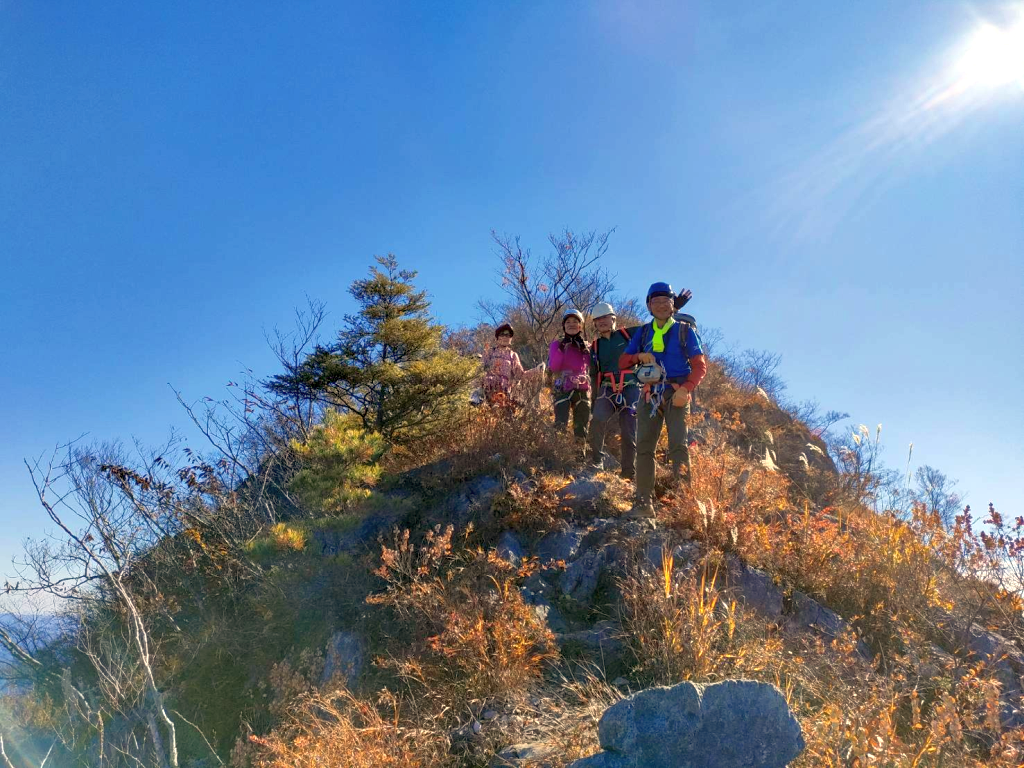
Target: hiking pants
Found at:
648, 430
577, 401
605, 407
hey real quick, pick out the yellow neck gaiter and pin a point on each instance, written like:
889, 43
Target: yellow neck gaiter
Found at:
658, 340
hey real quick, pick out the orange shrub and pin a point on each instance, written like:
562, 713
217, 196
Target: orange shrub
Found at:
466, 632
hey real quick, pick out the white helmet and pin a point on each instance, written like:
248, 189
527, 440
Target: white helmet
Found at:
603, 308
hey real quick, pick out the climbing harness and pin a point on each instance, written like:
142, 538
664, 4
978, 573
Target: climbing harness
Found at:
568, 383
614, 390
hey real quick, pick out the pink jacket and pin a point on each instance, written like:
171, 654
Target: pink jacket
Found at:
501, 368
571, 368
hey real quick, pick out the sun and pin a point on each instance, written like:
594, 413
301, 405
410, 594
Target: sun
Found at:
994, 56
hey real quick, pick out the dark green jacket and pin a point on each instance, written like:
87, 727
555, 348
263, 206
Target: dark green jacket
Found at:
605, 353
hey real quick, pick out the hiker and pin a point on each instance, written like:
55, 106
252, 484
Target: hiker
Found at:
569, 364
502, 368
615, 390
671, 365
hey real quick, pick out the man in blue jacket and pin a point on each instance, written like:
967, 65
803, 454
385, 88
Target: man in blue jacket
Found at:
672, 364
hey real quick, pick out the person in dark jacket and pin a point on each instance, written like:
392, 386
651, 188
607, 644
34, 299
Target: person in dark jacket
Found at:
671, 365
615, 390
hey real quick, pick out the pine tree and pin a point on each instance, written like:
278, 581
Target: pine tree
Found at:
387, 366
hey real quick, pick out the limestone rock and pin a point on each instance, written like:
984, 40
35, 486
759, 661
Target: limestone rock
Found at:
601, 644
583, 492
472, 503
808, 614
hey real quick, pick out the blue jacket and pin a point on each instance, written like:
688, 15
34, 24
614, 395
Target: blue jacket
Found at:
677, 359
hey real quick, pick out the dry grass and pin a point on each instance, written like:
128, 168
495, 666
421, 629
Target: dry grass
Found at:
677, 622
467, 638
338, 729
466, 634
727, 498
489, 440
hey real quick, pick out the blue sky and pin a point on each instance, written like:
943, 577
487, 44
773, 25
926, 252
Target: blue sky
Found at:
175, 179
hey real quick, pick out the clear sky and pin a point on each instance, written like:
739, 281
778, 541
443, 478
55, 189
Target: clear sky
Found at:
839, 182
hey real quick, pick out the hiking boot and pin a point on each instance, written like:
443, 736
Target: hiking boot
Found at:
679, 477
627, 476
642, 509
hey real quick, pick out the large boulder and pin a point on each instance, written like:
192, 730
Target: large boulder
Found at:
732, 724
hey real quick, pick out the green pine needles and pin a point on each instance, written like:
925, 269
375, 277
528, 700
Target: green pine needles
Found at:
387, 368
340, 465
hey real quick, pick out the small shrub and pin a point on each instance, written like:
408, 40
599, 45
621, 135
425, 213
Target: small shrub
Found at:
727, 498
466, 632
341, 465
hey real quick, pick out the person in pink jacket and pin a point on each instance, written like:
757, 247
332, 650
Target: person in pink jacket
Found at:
569, 363
502, 369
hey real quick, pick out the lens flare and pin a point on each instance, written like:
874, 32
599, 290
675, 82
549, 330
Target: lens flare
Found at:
994, 56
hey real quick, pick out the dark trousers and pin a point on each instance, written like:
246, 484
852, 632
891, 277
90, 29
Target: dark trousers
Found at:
605, 407
648, 429
578, 402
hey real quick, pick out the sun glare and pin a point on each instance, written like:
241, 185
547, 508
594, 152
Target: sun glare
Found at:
994, 56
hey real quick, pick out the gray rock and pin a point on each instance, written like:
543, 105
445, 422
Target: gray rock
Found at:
579, 581
346, 656
583, 492
994, 649
536, 592
364, 534
732, 724
601, 644
510, 548
807, 613
1006, 660
536, 753
559, 545
472, 503
683, 555
755, 588
548, 614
